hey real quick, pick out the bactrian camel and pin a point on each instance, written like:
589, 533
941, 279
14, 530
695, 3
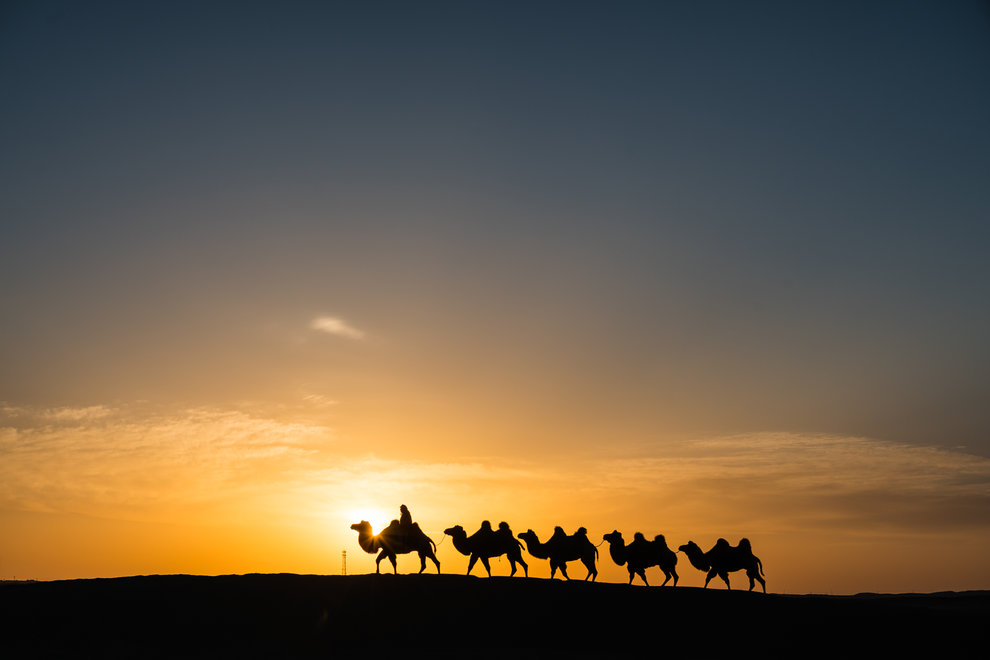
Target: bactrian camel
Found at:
487, 543
560, 549
396, 540
723, 559
642, 554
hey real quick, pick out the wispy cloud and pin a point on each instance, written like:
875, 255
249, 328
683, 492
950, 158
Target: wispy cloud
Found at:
807, 481
114, 461
319, 400
70, 414
335, 326
106, 460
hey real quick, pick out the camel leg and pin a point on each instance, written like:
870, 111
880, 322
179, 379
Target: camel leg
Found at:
712, 573
592, 573
422, 562
642, 573
563, 570
484, 562
391, 558
471, 562
632, 574
435, 561
666, 577
525, 566
553, 569
378, 561
512, 563
755, 576
675, 576
725, 576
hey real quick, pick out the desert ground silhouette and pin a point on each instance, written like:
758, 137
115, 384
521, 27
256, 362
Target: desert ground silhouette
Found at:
287, 615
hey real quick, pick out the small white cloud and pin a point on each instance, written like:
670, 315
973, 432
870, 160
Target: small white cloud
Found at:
319, 400
334, 326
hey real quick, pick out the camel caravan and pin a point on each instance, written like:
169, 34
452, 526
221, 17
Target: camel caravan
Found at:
404, 536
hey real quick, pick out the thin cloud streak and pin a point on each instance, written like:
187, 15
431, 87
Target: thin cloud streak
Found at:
337, 327
128, 464
118, 461
792, 482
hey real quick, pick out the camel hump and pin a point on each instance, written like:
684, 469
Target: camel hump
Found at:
744, 544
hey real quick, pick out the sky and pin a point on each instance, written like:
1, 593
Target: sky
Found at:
706, 269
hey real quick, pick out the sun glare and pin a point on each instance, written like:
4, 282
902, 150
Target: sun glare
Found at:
377, 517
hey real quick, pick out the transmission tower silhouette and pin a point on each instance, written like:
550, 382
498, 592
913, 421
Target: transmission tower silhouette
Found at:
343, 562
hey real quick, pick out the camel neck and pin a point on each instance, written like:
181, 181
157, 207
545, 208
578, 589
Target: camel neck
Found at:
537, 549
618, 552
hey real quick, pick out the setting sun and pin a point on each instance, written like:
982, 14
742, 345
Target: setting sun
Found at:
378, 519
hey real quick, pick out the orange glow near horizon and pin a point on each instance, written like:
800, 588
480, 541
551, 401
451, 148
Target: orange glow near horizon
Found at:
220, 491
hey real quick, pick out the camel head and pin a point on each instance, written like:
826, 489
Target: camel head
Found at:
527, 535
695, 556
363, 527
367, 542
615, 536
456, 530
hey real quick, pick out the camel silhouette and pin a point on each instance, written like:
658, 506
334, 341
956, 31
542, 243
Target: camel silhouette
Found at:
723, 559
560, 549
394, 540
642, 554
487, 543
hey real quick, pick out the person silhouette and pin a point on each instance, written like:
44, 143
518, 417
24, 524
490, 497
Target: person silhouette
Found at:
405, 524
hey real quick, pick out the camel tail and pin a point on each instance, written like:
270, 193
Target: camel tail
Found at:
759, 565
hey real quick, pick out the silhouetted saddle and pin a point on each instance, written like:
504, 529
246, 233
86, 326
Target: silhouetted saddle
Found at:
407, 535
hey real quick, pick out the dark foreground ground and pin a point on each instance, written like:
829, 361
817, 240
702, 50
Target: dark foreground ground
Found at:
445, 615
